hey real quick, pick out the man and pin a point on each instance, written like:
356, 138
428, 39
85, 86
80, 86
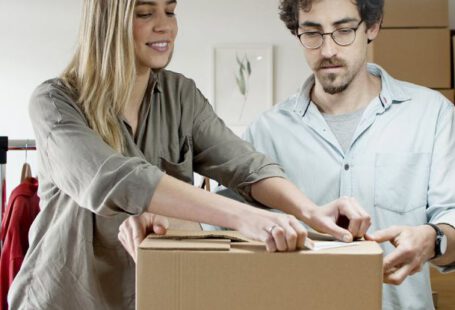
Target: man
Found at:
355, 131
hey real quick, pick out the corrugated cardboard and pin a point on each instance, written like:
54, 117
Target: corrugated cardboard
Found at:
444, 286
448, 93
416, 13
420, 56
453, 58
187, 272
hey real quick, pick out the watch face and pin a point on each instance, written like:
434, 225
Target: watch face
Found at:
443, 244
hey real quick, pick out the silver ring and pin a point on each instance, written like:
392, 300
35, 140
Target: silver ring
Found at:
271, 228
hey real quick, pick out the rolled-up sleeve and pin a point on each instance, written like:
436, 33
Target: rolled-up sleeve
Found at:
223, 156
81, 164
441, 193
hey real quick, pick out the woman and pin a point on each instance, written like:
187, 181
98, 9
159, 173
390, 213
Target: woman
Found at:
116, 136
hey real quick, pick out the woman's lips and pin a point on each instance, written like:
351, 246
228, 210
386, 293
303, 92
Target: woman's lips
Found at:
159, 46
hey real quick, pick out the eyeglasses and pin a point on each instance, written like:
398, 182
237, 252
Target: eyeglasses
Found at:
342, 37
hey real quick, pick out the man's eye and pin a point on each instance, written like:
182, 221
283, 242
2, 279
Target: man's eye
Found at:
311, 34
344, 31
170, 13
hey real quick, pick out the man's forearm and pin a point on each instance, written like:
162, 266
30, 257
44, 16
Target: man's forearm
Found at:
279, 193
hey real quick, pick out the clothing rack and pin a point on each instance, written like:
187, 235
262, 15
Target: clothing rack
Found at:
5, 146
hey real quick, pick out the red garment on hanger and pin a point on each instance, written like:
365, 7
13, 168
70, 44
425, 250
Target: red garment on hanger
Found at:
23, 206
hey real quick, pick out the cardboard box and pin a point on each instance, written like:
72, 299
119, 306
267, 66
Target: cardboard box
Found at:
420, 56
230, 272
448, 93
453, 60
416, 13
444, 286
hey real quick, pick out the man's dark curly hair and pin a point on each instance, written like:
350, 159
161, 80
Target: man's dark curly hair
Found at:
371, 11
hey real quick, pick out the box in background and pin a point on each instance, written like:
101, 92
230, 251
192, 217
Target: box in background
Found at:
453, 58
444, 286
448, 93
420, 56
207, 274
416, 13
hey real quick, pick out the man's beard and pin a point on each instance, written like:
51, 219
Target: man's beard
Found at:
327, 82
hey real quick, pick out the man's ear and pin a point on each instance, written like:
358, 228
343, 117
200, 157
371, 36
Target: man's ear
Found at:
373, 31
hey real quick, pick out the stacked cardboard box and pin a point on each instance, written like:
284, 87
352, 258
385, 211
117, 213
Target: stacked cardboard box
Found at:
415, 43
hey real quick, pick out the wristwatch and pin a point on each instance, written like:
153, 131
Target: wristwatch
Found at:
440, 244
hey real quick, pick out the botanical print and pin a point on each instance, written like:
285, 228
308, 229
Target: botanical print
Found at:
243, 78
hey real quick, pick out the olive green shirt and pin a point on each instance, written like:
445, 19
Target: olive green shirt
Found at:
87, 189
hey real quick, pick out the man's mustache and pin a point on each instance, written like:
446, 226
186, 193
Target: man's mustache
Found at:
328, 62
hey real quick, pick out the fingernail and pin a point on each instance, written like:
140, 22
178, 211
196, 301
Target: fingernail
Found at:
347, 238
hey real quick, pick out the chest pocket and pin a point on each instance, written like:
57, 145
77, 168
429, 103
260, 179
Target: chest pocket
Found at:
401, 181
183, 168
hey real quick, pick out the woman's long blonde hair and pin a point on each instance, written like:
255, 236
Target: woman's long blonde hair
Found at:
102, 71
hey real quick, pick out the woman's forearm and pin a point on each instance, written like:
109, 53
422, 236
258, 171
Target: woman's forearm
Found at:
279, 193
177, 199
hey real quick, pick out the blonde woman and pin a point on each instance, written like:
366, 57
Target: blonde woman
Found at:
119, 138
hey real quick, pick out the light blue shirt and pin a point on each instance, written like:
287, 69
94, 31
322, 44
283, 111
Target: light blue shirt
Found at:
400, 164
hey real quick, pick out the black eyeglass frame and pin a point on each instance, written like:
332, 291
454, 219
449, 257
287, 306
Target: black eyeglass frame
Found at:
322, 34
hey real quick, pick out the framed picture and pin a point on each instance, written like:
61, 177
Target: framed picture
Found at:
243, 82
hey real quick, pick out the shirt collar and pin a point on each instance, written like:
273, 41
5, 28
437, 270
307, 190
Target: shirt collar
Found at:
391, 91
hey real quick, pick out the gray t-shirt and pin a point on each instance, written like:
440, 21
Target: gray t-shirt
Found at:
343, 126
75, 260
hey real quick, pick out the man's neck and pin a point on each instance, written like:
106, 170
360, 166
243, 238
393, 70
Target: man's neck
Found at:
358, 95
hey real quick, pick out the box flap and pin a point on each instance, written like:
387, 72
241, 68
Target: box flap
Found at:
217, 234
219, 240
189, 244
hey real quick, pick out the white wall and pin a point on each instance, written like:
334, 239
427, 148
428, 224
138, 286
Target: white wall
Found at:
38, 37
37, 40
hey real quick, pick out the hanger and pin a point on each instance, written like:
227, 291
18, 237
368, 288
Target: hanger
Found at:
26, 169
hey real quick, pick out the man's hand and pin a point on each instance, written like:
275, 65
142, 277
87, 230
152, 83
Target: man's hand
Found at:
135, 228
414, 247
342, 218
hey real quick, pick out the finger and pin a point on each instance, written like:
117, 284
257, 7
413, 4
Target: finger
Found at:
157, 220
365, 219
366, 223
160, 225
397, 277
395, 260
159, 230
417, 269
302, 235
386, 234
354, 227
126, 245
278, 235
125, 229
270, 243
336, 231
121, 239
369, 237
137, 233
348, 209
164, 221
290, 236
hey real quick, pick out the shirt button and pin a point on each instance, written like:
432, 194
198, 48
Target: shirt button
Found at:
346, 167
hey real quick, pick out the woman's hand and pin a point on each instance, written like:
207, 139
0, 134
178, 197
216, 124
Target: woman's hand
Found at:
279, 232
342, 218
135, 228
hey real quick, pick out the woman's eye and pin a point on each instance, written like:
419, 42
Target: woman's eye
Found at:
170, 13
143, 15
